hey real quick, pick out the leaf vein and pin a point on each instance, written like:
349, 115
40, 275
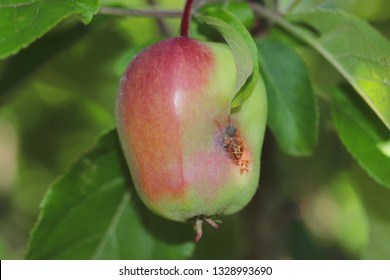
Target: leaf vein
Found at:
359, 56
111, 228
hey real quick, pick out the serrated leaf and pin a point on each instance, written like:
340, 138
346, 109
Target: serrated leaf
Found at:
359, 52
24, 21
92, 212
242, 46
362, 134
292, 113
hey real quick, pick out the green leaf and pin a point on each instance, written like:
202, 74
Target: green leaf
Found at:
240, 8
243, 11
93, 212
242, 46
292, 113
359, 52
363, 135
374, 10
376, 203
24, 21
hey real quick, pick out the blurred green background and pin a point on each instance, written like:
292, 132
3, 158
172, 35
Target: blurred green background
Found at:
58, 96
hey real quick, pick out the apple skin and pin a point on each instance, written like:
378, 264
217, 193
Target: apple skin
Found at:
172, 116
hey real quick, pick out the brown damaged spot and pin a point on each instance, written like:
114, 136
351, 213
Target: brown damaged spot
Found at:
235, 148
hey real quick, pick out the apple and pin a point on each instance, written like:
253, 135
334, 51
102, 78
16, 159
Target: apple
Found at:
190, 159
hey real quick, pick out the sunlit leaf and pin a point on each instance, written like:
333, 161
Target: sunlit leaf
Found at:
359, 52
362, 134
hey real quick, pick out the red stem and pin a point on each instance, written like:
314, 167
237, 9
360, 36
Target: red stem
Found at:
185, 19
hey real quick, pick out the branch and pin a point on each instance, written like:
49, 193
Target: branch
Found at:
263, 12
162, 26
140, 12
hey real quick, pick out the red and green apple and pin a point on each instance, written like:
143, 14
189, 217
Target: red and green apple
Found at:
190, 156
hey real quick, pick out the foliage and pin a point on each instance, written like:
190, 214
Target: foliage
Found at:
22, 22
104, 232
327, 151
294, 116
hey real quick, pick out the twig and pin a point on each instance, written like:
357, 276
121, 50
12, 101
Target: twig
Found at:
263, 12
162, 26
150, 12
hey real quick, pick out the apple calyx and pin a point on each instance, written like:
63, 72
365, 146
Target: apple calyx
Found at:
198, 225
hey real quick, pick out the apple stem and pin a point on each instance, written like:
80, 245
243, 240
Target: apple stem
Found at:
185, 19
